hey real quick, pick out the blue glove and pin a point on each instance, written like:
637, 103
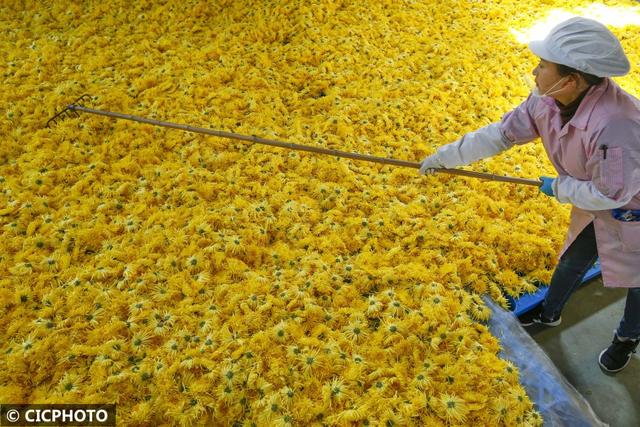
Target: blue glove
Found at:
546, 187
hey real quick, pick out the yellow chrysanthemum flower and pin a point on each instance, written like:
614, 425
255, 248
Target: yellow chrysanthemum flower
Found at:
197, 280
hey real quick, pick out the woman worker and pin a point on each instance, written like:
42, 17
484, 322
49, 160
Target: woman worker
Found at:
590, 129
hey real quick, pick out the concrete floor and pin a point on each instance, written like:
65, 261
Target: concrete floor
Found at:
588, 321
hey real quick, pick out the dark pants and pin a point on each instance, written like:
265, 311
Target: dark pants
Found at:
573, 265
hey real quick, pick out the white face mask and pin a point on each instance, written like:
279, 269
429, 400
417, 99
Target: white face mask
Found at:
536, 92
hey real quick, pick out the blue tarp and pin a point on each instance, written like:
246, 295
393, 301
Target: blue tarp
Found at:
529, 301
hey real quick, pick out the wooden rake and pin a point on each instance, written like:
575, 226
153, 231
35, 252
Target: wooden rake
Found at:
72, 110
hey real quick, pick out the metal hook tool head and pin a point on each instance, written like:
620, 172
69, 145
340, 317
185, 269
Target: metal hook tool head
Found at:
69, 110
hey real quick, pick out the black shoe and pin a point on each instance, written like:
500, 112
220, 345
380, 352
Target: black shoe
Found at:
535, 316
617, 356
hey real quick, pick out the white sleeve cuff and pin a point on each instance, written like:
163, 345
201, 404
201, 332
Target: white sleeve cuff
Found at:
583, 194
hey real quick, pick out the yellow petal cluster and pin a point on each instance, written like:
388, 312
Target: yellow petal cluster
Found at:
196, 280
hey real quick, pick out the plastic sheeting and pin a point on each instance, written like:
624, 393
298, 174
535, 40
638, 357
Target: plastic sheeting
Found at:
555, 398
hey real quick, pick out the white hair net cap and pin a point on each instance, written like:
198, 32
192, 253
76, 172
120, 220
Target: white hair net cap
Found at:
583, 44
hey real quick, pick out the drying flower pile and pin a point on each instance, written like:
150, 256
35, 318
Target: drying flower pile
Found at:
196, 280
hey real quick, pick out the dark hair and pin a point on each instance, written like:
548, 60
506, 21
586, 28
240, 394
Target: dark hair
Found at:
591, 80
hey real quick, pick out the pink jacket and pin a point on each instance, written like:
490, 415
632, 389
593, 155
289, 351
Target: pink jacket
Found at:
600, 148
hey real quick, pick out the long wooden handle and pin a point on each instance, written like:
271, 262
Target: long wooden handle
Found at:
299, 147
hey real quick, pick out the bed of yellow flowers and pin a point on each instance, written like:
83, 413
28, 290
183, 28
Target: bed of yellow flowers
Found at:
196, 280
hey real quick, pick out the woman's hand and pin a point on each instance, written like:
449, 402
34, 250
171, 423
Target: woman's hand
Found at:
547, 185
